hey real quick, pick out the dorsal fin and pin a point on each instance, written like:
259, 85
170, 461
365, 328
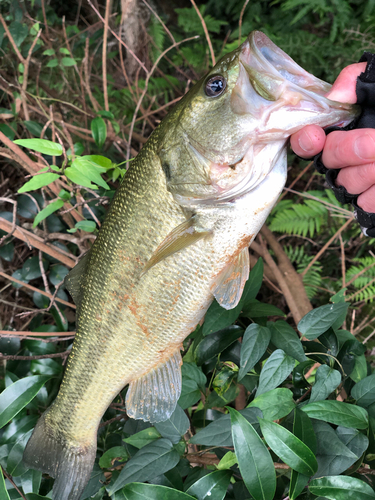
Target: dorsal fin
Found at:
180, 237
154, 396
73, 280
232, 279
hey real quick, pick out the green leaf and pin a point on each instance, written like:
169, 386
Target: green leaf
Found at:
364, 391
319, 320
7, 252
353, 439
49, 52
217, 318
52, 63
38, 181
41, 146
101, 161
79, 178
175, 427
253, 284
254, 344
274, 404
15, 465
254, 460
141, 491
213, 486
140, 439
115, 454
284, 337
150, 461
256, 309
289, 448
275, 370
3, 490
19, 32
303, 429
193, 381
216, 343
68, 61
90, 170
86, 225
228, 460
297, 483
338, 413
341, 488
18, 395
359, 371
218, 432
326, 381
99, 131
331, 453
63, 50
48, 210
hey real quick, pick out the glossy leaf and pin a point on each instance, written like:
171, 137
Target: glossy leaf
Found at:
38, 181
212, 486
338, 413
253, 284
115, 454
364, 391
175, 427
140, 439
284, 337
303, 429
48, 210
254, 460
3, 491
274, 404
297, 483
275, 370
317, 321
140, 491
256, 309
99, 131
331, 453
355, 440
15, 465
219, 433
18, 395
326, 381
289, 448
217, 342
150, 461
342, 488
218, 318
254, 344
41, 146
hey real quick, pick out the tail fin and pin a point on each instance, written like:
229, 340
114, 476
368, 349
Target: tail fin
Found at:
71, 464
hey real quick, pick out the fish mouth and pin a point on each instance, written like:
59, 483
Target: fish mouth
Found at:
276, 81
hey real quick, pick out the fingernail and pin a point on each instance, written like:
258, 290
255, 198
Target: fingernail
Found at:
364, 147
306, 143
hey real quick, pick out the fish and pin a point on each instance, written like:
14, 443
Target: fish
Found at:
175, 237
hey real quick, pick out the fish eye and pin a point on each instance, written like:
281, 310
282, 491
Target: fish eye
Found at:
215, 86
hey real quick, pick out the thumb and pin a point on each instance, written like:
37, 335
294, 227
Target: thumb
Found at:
343, 90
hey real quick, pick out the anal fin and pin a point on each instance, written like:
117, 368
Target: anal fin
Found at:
154, 396
180, 237
232, 279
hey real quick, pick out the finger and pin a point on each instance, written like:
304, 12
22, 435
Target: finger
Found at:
354, 147
367, 200
343, 90
357, 179
308, 142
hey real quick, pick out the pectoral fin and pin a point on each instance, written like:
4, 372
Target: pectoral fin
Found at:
154, 396
73, 280
232, 279
182, 236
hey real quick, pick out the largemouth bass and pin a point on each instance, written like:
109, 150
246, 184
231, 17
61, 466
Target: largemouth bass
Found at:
176, 236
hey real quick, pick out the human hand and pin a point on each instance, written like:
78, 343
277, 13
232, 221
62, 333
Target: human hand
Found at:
353, 151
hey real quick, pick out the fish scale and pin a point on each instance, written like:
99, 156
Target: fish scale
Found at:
176, 236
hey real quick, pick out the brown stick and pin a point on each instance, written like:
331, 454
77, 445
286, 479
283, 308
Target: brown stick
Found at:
34, 289
37, 242
205, 32
6, 333
292, 278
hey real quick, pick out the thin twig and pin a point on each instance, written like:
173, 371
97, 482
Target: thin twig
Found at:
34, 289
11, 357
240, 21
9, 477
69, 335
205, 32
13, 43
324, 248
104, 53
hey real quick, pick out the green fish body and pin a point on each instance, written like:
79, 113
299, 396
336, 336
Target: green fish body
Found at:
176, 236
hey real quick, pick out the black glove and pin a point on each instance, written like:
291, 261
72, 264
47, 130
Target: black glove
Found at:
365, 90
